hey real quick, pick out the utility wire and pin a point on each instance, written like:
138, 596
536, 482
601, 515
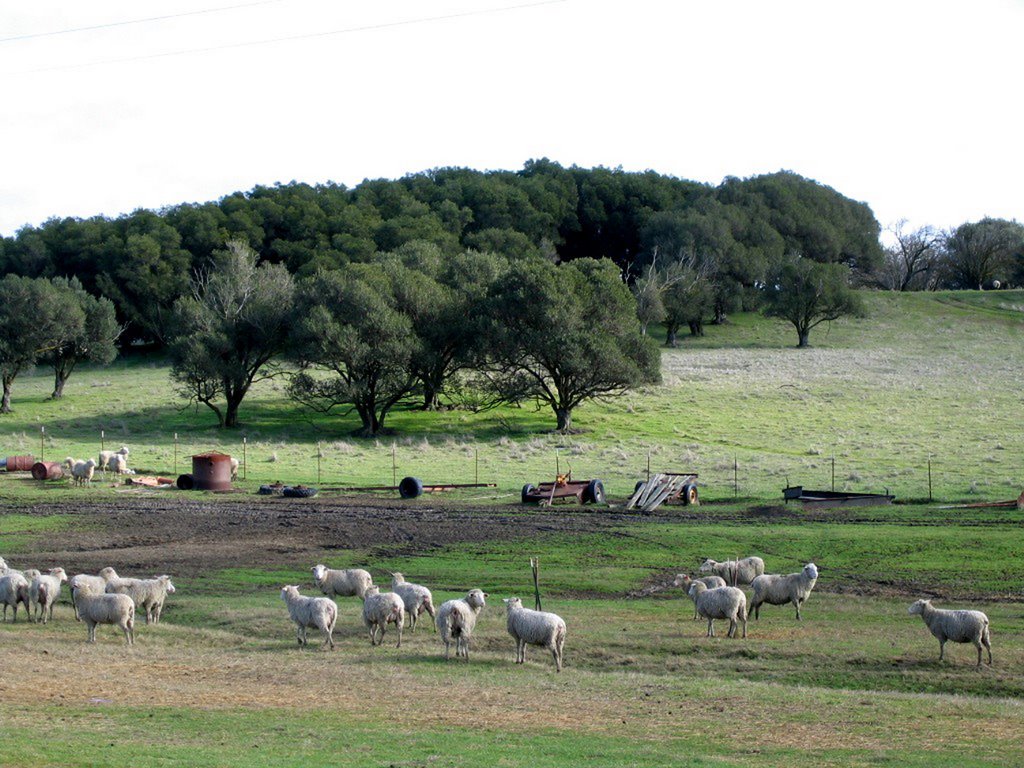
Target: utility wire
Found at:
291, 38
35, 35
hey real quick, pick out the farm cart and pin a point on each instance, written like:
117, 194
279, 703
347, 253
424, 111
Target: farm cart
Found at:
564, 487
663, 488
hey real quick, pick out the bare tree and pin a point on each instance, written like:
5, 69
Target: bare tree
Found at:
911, 263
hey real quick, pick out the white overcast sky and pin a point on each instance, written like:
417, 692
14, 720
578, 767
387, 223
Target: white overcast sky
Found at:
912, 106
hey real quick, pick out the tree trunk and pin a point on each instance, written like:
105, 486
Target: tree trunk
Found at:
231, 414
804, 339
371, 424
58, 387
431, 396
670, 335
5, 406
564, 416
696, 328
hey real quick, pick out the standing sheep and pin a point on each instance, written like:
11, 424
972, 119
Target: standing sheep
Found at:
106, 609
106, 456
147, 594
118, 464
456, 620
342, 583
720, 603
711, 582
14, 590
536, 628
319, 612
81, 471
416, 597
44, 591
234, 469
735, 572
379, 610
96, 585
779, 590
958, 626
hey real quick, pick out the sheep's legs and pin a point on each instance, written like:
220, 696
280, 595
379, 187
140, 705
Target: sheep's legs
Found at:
942, 649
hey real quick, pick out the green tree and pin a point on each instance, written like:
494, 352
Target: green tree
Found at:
229, 330
31, 315
86, 336
807, 293
354, 344
567, 334
980, 252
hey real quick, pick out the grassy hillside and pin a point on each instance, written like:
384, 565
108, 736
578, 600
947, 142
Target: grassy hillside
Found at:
925, 377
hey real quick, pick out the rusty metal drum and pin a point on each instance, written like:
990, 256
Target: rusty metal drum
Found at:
211, 471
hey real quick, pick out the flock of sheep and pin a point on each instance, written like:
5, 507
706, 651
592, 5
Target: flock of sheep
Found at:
106, 598
82, 472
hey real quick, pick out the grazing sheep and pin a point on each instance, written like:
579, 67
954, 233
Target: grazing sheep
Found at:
416, 597
95, 585
319, 612
147, 594
958, 626
779, 590
343, 583
456, 620
683, 580
44, 591
106, 456
720, 603
81, 471
379, 610
118, 464
735, 572
536, 628
14, 590
106, 609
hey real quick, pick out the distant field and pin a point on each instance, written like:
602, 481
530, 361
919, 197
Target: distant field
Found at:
925, 377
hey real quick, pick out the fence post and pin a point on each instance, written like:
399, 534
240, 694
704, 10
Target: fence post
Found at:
929, 480
42, 440
175, 453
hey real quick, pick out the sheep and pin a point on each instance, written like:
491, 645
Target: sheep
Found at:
147, 594
343, 583
683, 580
958, 626
456, 620
14, 590
81, 471
779, 590
379, 610
96, 585
416, 597
720, 603
535, 628
234, 469
319, 612
735, 572
118, 464
44, 591
106, 609
106, 456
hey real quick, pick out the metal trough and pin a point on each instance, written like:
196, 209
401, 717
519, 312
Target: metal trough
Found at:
823, 499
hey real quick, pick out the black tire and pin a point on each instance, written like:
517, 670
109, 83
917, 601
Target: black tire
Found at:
639, 484
594, 494
690, 495
299, 492
186, 482
528, 490
265, 490
410, 488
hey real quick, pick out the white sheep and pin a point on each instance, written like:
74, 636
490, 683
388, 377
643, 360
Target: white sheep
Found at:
319, 612
106, 609
456, 620
381, 609
958, 626
147, 594
81, 471
106, 456
234, 469
96, 585
735, 572
14, 590
774, 589
343, 583
118, 464
535, 628
44, 591
416, 597
720, 603
683, 580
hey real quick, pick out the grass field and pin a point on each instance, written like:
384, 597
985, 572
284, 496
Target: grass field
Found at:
857, 683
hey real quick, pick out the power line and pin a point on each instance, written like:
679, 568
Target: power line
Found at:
291, 38
135, 21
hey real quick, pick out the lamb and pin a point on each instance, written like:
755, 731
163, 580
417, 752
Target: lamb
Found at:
683, 580
735, 572
106, 609
779, 590
536, 628
147, 594
346, 583
379, 610
106, 456
319, 612
14, 590
958, 626
96, 585
81, 471
416, 597
720, 603
44, 591
456, 620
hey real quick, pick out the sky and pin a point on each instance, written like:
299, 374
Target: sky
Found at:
912, 106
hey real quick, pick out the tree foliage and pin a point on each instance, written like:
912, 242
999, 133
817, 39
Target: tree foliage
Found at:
807, 293
980, 252
87, 335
